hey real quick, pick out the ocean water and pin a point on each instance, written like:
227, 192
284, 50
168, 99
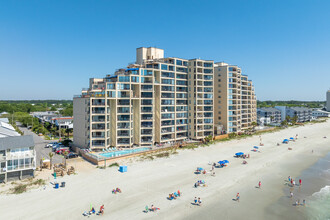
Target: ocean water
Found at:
315, 190
319, 205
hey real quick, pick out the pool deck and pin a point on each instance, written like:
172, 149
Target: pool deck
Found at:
101, 160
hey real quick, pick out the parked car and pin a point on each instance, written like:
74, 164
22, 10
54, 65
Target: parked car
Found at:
50, 144
57, 145
62, 150
71, 155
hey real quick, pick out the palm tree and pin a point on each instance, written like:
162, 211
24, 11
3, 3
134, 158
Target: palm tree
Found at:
51, 159
254, 124
65, 153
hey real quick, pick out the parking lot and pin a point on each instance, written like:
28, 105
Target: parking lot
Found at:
40, 144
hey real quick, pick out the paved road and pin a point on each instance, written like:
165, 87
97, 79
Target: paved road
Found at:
40, 144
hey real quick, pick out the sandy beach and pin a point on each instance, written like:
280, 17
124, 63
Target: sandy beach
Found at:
149, 182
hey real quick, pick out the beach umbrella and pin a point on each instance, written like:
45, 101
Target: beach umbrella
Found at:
291, 138
221, 162
256, 147
285, 140
199, 168
239, 154
225, 161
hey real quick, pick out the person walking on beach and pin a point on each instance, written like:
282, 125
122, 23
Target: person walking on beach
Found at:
237, 197
195, 200
300, 182
291, 194
259, 184
304, 202
293, 183
289, 178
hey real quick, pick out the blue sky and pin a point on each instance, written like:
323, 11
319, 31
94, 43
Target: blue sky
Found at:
50, 49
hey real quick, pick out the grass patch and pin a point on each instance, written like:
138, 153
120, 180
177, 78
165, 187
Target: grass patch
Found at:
114, 165
19, 188
163, 154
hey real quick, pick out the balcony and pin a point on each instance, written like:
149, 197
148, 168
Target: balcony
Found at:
146, 132
98, 110
146, 117
124, 102
146, 139
123, 117
98, 119
98, 126
146, 124
146, 109
167, 123
123, 141
98, 102
123, 133
168, 95
167, 116
123, 125
167, 130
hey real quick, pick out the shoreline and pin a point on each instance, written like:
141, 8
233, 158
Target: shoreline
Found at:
149, 182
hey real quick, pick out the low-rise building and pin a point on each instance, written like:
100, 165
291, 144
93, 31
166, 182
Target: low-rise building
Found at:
64, 122
45, 116
6, 129
318, 113
303, 114
270, 115
17, 158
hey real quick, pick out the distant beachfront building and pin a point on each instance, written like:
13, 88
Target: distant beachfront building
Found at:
269, 115
17, 158
303, 114
318, 113
160, 100
328, 101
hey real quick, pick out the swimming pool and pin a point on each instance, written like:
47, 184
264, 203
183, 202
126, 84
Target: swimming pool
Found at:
124, 152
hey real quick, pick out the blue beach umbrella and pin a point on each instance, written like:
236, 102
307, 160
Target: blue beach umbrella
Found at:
285, 140
256, 147
291, 138
221, 162
199, 168
239, 154
225, 161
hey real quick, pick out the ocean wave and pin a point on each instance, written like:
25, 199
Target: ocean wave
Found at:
324, 192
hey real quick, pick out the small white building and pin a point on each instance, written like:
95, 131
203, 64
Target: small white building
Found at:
317, 113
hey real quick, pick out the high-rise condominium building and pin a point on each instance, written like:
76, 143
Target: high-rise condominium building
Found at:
155, 100
235, 101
